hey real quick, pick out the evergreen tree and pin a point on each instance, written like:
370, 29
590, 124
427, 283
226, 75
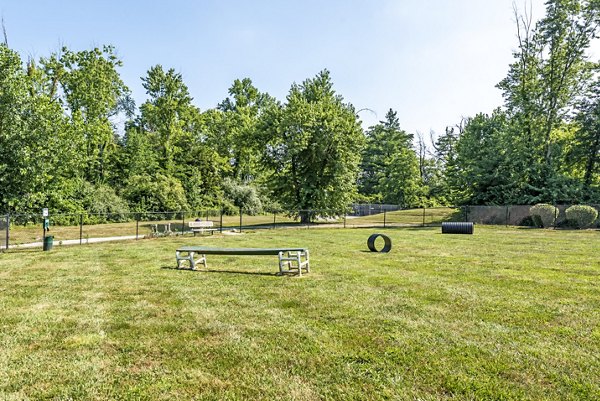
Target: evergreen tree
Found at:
390, 168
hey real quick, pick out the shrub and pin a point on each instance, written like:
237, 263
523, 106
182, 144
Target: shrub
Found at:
228, 208
543, 215
242, 196
155, 193
581, 216
527, 222
97, 203
105, 204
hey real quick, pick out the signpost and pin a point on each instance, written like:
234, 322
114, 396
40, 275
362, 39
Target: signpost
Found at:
46, 245
44, 219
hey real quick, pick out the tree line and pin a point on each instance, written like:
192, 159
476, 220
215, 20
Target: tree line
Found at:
64, 145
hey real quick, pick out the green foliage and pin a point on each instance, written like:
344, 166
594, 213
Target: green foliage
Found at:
138, 155
93, 93
543, 215
390, 169
581, 216
241, 196
314, 147
62, 144
436, 171
549, 74
236, 132
102, 201
531, 151
480, 170
200, 169
38, 154
155, 193
584, 155
168, 116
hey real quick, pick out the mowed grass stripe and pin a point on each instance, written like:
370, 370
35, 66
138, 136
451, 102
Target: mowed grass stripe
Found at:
503, 314
52, 318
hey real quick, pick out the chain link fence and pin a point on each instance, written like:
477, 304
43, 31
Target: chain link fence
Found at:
25, 230
513, 215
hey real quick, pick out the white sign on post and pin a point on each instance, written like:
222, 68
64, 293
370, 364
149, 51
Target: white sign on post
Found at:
45, 212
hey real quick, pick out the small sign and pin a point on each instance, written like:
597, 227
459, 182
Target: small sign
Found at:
45, 212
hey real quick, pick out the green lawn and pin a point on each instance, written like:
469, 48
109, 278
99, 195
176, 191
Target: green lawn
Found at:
504, 314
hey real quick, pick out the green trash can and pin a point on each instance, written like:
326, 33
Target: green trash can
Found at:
48, 242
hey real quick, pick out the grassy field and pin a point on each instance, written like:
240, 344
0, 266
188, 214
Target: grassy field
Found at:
403, 217
504, 314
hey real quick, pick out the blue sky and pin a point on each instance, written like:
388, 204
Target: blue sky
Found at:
433, 61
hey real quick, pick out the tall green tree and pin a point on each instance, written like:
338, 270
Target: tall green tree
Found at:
173, 131
549, 73
443, 166
390, 168
585, 152
167, 112
38, 156
89, 85
315, 148
481, 169
237, 132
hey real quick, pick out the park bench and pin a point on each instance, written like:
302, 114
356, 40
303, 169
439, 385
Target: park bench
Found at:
290, 259
202, 226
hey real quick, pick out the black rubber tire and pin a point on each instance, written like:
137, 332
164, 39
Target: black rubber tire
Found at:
386, 247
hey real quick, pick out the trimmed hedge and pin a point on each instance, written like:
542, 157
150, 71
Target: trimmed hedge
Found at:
581, 216
543, 215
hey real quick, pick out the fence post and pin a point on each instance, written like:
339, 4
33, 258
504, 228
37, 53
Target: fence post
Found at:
221, 223
7, 230
507, 215
274, 217
423, 215
345, 213
43, 231
183, 222
137, 226
241, 219
384, 217
80, 229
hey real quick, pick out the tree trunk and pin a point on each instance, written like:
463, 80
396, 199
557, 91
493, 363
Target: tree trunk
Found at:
591, 163
304, 216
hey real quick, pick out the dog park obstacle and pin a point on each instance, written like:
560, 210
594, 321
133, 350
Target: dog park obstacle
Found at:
290, 259
457, 228
387, 246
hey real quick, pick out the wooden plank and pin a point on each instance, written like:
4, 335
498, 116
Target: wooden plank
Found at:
238, 251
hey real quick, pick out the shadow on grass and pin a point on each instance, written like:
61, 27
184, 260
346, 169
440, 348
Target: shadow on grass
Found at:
277, 274
394, 228
23, 250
